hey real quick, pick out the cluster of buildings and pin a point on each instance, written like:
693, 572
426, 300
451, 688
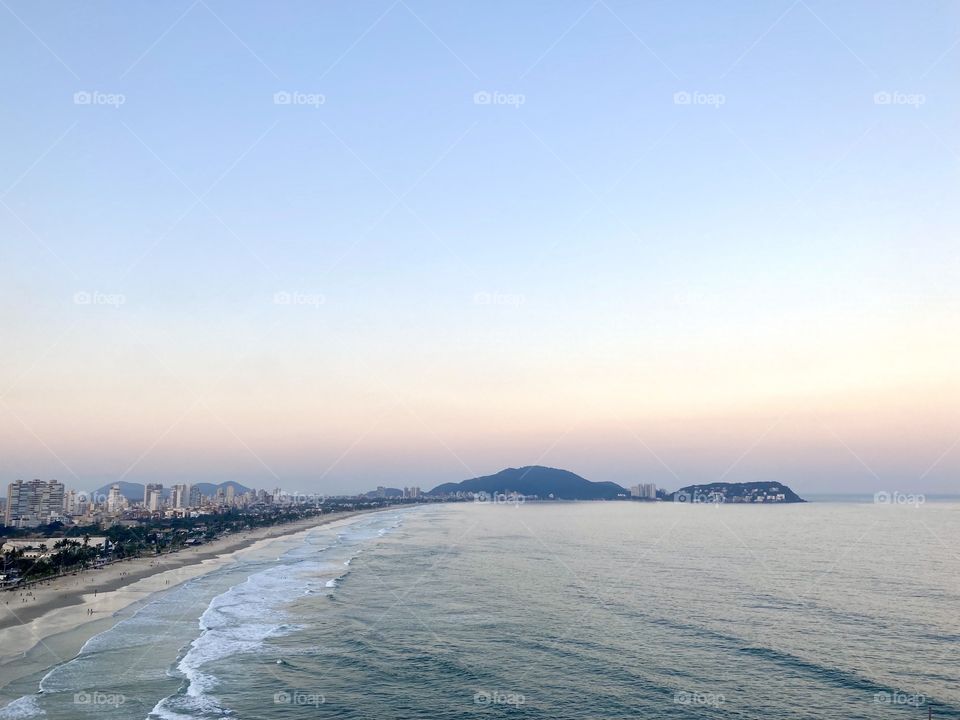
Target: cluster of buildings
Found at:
38, 502
183, 500
644, 491
408, 493
30, 504
759, 496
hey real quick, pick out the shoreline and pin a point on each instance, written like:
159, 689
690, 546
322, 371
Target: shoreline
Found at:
94, 598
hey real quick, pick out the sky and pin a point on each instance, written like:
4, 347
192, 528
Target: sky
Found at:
329, 246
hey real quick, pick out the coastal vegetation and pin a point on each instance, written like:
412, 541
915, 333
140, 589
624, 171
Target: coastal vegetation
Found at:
55, 549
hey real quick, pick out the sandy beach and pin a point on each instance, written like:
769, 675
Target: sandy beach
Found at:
38, 616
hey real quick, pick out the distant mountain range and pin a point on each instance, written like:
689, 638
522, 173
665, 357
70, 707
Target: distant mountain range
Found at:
134, 491
543, 482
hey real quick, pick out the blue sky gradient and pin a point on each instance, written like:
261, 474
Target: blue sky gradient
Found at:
760, 283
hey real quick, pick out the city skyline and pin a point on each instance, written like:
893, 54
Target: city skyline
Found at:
337, 247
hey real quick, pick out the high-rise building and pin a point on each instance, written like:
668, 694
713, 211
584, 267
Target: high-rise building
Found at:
181, 495
152, 496
83, 503
33, 503
230, 494
115, 501
70, 503
196, 498
644, 491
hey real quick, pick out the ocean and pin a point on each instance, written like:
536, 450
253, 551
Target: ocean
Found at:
560, 610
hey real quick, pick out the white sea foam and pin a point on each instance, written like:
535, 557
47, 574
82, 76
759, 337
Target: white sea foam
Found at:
233, 623
22, 708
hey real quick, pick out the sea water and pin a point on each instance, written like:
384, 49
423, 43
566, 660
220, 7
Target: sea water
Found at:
573, 610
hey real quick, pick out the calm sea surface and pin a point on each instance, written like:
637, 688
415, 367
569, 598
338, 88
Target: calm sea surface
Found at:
580, 610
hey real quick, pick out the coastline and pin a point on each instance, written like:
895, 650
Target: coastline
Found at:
52, 625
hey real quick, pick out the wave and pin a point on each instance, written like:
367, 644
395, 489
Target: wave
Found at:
240, 620
22, 708
834, 675
235, 622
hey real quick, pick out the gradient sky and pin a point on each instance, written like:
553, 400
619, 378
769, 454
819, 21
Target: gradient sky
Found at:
586, 272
